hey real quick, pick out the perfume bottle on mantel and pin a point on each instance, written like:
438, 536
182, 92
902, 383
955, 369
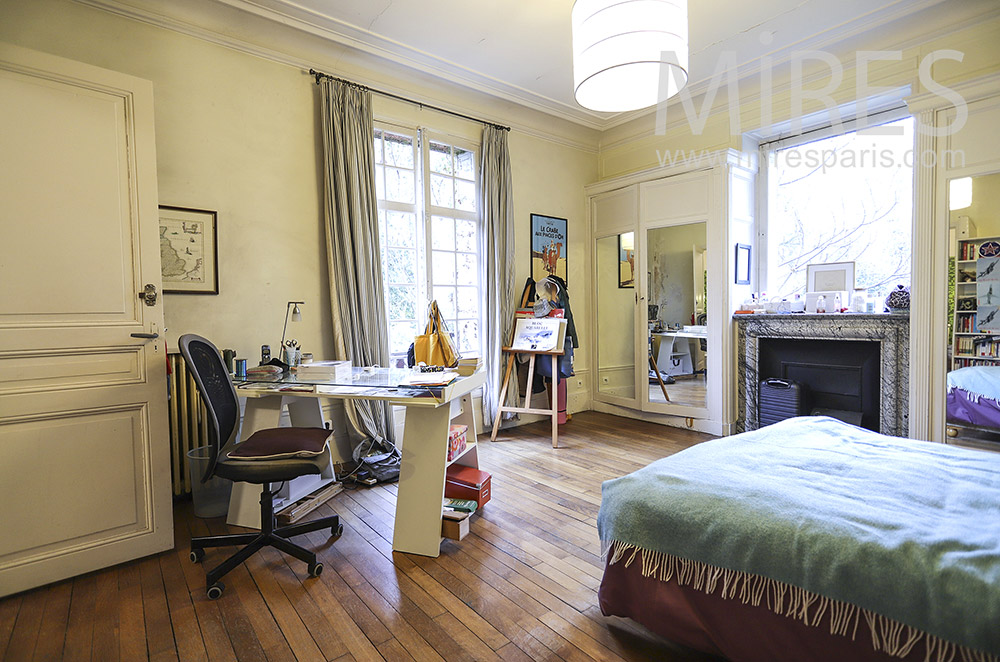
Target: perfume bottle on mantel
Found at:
821, 304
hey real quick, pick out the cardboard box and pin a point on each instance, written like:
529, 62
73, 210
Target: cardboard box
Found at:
456, 440
455, 529
463, 482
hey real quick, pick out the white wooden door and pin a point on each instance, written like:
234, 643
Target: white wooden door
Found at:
84, 456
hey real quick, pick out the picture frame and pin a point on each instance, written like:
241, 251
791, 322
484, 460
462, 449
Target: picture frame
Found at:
189, 250
549, 247
742, 264
830, 277
626, 260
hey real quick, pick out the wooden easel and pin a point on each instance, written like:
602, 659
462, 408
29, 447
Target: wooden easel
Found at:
526, 409
554, 391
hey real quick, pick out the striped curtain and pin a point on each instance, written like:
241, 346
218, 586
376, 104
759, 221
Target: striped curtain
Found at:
352, 243
498, 235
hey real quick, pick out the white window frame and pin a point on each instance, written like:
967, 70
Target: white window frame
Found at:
767, 147
424, 212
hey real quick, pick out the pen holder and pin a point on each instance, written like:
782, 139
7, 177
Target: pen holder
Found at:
291, 355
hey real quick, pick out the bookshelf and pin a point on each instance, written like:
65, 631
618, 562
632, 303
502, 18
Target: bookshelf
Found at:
970, 344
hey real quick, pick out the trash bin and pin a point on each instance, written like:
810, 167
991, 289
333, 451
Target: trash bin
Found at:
211, 499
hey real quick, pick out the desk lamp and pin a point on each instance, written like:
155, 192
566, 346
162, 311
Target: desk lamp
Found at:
296, 317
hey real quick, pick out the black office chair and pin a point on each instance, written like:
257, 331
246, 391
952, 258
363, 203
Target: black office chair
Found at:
268, 456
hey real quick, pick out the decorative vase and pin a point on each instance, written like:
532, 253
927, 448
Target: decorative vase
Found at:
898, 300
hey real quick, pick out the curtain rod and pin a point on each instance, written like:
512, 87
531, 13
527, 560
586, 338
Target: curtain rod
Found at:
320, 76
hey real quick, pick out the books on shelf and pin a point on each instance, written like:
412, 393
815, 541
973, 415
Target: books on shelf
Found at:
541, 334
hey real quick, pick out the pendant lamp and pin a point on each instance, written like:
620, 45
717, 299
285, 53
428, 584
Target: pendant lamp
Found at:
629, 54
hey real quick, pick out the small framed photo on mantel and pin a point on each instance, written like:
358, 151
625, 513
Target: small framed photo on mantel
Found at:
830, 277
189, 250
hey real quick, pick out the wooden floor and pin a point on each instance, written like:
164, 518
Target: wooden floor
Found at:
522, 586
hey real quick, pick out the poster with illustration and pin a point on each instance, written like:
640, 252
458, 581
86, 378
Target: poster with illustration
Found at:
548, 247
988, 319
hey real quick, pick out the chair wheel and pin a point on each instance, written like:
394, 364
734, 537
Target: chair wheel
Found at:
315, 569
197, 555
215, 590
337, 532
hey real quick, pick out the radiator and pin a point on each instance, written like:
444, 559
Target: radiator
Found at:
188, 423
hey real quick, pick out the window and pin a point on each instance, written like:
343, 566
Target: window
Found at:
429, 232
843, 198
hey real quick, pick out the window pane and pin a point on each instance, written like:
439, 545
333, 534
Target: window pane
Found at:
465, 163
399, 185
402, 302
465, 236
468, 337
443, 264
401, 334
401, 266
399, 150
468, 301
443, 233
402, 229
445, 297
465, 195
380, 182
440, 158
468, 274
831, 200
442, 194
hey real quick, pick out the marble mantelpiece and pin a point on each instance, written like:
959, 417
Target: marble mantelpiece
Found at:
892, 332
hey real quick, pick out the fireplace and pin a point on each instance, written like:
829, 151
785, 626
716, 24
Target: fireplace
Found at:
850, 362
838, 375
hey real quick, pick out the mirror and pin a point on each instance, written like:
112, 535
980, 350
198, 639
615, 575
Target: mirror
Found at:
615, 320
677, 292
973, 382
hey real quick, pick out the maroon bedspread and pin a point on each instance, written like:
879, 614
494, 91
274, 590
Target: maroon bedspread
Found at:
727, 627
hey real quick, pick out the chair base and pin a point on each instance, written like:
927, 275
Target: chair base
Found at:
269, 536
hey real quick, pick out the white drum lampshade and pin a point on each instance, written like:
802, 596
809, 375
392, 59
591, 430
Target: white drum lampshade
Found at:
629, 54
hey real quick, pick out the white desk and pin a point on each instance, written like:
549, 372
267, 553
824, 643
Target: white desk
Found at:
674, 356
417, 526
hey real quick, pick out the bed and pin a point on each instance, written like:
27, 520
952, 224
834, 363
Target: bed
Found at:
973, 397
810, 539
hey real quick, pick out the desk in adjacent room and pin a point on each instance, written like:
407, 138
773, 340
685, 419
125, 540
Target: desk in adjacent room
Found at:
417, 526
674, 356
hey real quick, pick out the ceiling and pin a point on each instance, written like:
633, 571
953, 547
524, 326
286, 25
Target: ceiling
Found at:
521, 50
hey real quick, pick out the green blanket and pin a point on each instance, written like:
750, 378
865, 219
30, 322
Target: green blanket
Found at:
907, 529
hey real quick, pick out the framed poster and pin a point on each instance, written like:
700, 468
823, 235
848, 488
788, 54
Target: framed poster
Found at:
626, 260
548, 247
189, 250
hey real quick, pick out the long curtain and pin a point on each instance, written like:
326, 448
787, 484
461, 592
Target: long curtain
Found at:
498, 211
352, 242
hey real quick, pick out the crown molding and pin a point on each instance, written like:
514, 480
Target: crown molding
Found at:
237, 44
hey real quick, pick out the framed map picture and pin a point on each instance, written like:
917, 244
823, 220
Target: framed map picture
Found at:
189, 250
548, 247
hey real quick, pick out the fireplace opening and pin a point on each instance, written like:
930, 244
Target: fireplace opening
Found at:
839, 375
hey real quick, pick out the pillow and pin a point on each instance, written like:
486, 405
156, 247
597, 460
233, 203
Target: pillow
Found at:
282, 443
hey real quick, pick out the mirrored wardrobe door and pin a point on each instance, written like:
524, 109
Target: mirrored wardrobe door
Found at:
676, 286
616, 300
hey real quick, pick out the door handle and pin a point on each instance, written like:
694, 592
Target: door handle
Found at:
149, 336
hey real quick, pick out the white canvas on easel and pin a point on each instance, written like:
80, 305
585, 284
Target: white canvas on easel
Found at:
541, 334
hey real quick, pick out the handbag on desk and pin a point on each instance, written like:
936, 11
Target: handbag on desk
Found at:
435, 345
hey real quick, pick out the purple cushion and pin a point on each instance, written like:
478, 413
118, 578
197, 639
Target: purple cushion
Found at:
281, 443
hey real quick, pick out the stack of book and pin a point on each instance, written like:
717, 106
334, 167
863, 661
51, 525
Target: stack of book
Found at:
468, 365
